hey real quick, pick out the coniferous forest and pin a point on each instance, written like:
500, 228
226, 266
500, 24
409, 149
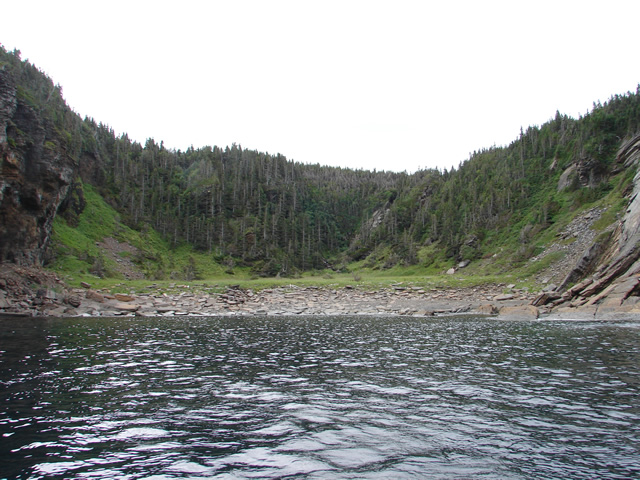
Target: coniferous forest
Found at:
280, 217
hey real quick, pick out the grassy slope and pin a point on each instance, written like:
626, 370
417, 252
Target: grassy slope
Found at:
504, 258
77, 256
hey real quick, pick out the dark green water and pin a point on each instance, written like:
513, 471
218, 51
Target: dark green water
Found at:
318, 397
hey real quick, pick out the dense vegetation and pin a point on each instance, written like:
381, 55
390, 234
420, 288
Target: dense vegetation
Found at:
244, 208
509, 193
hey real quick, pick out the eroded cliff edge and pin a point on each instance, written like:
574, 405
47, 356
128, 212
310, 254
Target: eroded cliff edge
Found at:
35, 175
605, 283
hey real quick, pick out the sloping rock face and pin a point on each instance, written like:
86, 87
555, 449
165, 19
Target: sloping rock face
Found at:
584, 172
614, 288
35, 175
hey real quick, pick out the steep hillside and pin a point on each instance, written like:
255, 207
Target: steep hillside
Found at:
96, 244
504, 200
605, 282
120, 209
36, 167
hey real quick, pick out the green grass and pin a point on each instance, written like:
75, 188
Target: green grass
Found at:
615, 208
366, 282
533, 268
504, 256
77, 252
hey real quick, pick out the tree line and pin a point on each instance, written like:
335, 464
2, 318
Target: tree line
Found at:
279, 216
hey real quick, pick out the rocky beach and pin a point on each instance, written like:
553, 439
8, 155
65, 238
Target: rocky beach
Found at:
49, 298
293, 300
597, 277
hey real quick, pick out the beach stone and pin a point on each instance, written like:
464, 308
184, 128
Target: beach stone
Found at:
3, 300
126, 307
48, 294
504, 297
487, 309
121, 297
520, 312
57, 312
95, 296
73, 301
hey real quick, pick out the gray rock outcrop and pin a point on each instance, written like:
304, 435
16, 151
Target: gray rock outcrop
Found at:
35, 174
613, 286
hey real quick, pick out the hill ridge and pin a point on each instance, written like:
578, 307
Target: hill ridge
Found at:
268, 216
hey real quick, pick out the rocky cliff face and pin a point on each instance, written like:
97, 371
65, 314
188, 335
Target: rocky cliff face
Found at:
35, 174
614, 287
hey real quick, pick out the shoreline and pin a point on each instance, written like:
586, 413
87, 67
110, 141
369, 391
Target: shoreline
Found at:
281, 301
27, 292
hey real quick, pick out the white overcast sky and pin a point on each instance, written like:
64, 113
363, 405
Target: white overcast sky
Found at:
391, 85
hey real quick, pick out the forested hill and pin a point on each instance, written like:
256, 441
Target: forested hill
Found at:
261, 209
276, 216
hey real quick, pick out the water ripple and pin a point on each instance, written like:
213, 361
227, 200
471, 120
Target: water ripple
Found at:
319, 398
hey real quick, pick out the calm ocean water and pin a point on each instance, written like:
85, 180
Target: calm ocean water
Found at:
318, 398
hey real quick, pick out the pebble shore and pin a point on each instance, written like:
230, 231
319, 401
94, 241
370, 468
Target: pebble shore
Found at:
292, 300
